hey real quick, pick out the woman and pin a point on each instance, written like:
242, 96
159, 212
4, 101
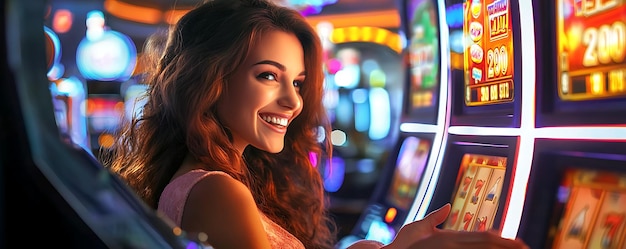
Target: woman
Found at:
234, 115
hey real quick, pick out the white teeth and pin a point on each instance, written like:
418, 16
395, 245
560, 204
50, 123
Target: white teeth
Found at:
275, 120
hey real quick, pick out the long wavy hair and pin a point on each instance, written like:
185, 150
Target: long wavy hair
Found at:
202, 52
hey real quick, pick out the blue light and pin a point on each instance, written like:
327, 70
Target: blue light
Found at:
361, 110
334, 174
104, 54
454, 15
109, 57
56, 45
380, 118
380, 231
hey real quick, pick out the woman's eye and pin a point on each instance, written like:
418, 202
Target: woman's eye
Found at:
267, 76
297, 83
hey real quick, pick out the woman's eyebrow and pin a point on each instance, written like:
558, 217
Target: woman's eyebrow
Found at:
281, 67
270, 62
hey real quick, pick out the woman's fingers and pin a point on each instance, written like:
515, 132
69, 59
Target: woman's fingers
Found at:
438, 216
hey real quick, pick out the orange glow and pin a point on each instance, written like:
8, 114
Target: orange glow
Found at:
383, 18
172, 16
106, 140
391, 214
62, 21
133, 13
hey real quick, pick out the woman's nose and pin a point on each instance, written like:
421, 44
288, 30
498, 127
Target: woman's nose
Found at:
290, 98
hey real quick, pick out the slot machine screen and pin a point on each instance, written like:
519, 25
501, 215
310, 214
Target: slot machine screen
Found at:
424, 51
585, 81
409, 168
478, 187
488, 83
591, 50
590, 210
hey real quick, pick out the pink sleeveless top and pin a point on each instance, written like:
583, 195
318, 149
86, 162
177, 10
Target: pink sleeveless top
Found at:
174, 197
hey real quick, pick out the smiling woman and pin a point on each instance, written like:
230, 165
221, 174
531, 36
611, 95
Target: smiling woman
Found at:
233, 114
237, 82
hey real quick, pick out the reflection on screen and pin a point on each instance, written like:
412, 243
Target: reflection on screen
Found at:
594, 214
488, 53
61, 113
478, 187
591, 49
410, 164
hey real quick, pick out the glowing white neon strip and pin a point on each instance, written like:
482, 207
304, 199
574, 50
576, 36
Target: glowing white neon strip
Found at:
523, 158
580, 132
415, 127
484, 131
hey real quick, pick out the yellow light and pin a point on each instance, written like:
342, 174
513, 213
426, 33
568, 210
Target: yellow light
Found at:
597, 83
367, 34
354, 34
381, 36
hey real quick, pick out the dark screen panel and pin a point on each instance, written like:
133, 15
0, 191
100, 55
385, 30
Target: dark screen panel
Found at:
575, 195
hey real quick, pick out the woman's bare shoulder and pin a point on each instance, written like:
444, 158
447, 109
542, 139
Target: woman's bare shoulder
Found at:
223, 208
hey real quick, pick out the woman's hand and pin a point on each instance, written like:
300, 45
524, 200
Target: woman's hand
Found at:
425, 234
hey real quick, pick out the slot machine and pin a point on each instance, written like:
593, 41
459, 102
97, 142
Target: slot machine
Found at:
478, 160
409, 165
575, 194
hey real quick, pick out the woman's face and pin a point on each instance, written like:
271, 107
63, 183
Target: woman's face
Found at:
262, 97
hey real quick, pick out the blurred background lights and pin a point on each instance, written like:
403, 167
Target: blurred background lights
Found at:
381, 114
338, 138
62, 21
